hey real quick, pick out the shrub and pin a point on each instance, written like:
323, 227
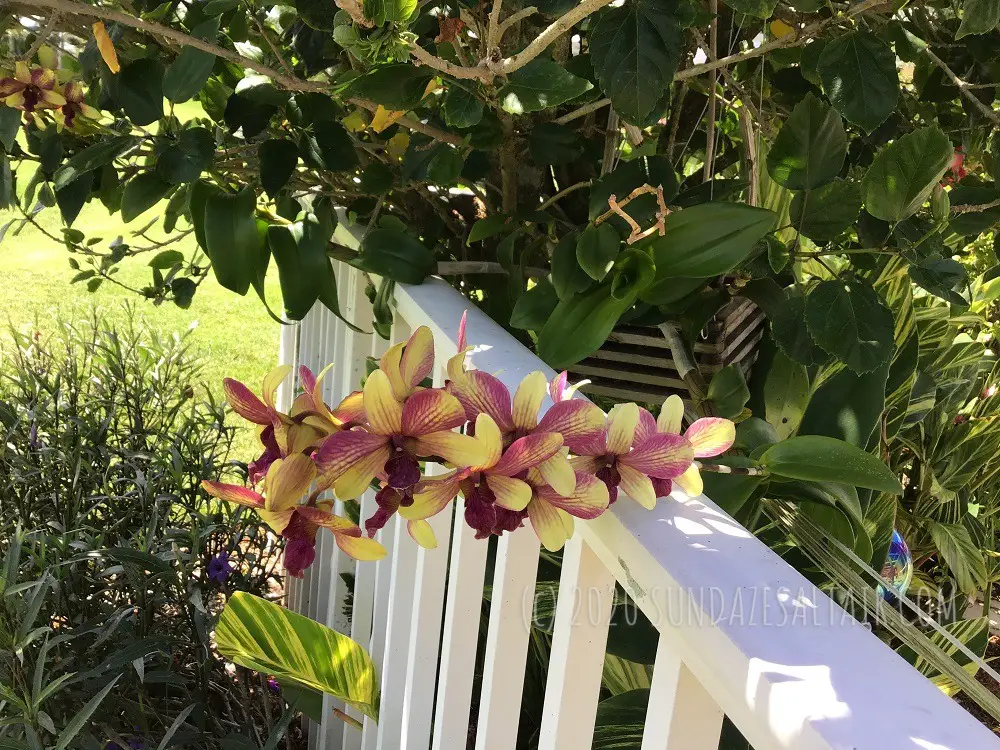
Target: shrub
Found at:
122, 564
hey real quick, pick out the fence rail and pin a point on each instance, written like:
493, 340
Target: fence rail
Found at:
742, 634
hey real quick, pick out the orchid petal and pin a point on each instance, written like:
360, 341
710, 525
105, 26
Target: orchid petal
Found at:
22, 72
351, 410
528, 400
510, 493
384, 412
527, 452
390, 365
360, 548
303, 436
277, 520
50, 99
586, 464
547, 521
418, 358
233, 493
271, 382
44, 78
287, 480
559, 474
10, 86
711, 436
422, 534
646, 426
307, 379
671, 415
245, 403
622, 421
488, 435
663, 456
353, 482
461, 331
690, 481
479, 392
557, 388
579, 422
455, 449
432, 496
429, 411
589, 500
328, 520
637, 486
342, 450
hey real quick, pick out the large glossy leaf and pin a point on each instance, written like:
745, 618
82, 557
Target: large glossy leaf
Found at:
534, 307
140, 90
978, 17
823, 459
142, 192
810, 148
92, 157
395, 255
189, 71
579, 325
905, 172
789, 330
961, 554
381, 11
278, 158
540, 84
232, 241
567, 276
397, 87
847, 406
706, 240
849, 320
597, 249
264, 636
728, 391
329, 146
186, 159
786, 394
462, 109
299, 251
635, 49
824, 213
859, 76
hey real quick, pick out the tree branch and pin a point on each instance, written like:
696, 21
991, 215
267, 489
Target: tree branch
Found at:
493, 34
552, 32
963, 87
583, 111
477, 73
412, 123
41, 36
970, 208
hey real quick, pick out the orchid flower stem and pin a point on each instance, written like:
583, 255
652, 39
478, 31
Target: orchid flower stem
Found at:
748, 471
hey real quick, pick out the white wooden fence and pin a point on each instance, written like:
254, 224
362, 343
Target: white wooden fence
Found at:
742, 634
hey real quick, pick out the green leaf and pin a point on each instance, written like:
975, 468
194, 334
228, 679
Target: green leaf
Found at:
822, 459
71, 197
850, 321
243, 113
961, 554
140, 91
7, 196
847, 406
329, 146
10, 124
299, 251
758, 8
166, 259
567, 276
461, 109
187, 74
942, 277
395, 255
491, 226
620, 721
635, 49
978, 17
142, 192
445, 165
92, 157
728, 390
81, 717
399, 87
263, 636
597, 249
376, 178
633, 272
788, 328
533, 308
185, 160
786, 394
810, 148
552, 143
905, 172
278, 158
232, 241
317, 14
381, 11
539, 85
579, 325
824, 213
706, 240
650, 170
859, 76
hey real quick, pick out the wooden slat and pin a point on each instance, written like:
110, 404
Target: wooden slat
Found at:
580, 635
460, 638
379, 618
507, 640
681, 715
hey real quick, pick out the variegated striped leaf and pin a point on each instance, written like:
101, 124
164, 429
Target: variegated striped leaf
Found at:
621, 675
620, 721
974, 634
264, 636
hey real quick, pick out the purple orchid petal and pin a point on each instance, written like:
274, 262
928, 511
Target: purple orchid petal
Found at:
402, 470
610, 476
481, 511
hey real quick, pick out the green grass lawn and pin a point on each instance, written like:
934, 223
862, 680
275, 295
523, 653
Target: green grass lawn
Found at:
234, 333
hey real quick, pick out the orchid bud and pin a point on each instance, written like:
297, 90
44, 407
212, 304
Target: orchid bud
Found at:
940, 203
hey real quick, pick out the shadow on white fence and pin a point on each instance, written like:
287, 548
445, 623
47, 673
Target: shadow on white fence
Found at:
742, 634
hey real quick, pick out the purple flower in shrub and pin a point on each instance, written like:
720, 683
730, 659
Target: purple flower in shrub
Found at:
219, 568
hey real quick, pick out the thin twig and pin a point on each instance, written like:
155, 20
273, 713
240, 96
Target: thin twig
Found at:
463, 267
563, 193
477, 73
493, 35
583, 111
962, 86
550, 33
41, 37
519, 16
274, 49
713, 92
970, 208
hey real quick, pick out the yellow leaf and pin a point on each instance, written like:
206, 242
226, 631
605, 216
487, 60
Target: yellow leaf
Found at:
397, 145
106, 47
780, 29
384, 118
355, 122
